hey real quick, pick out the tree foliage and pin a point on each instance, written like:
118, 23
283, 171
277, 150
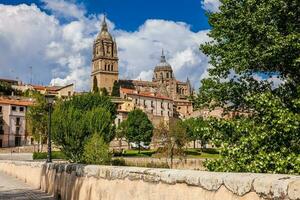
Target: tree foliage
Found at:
37, 118
6, 89
96, 151
254, 38
139, 127
76, 120
197, 129
116, 89
173, 138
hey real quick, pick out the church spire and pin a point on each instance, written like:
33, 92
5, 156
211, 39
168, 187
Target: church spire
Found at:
104, 24
163, 57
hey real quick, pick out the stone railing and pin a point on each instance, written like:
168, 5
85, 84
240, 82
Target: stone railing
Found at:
74, 181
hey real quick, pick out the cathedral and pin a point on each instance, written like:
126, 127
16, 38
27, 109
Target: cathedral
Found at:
105, 73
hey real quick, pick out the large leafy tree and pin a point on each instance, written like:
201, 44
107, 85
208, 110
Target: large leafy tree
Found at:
76, 120
37, 119
254, 38
197, 129
139, 127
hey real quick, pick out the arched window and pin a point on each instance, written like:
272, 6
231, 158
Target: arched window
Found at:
167, 74
161, 74
112, 67
105, 67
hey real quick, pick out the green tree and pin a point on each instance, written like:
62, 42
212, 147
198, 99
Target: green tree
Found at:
116, 89
139, 127
95, 85
197, 129
37, 119
252, 38
76, 120
104, 92
121, 133
176, 140
6, 89
96, 151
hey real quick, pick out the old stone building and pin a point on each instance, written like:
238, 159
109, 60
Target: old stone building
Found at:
105, 60
105, 73
13, 122
163, 82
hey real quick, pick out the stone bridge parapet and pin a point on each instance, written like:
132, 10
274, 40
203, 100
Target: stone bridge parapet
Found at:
76, 181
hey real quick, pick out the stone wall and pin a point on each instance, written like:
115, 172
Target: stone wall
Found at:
189, 163
74, 181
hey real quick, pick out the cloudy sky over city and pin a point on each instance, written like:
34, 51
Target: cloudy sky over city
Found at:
53, 38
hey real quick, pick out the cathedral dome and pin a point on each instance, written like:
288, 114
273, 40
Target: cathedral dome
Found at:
104, 34
163, 65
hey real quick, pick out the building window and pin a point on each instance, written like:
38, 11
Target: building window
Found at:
152, 105
1, 126
21, 109
167, 75
0, 109
18, 121
161, 113
112, 68
161, 104
105, 67
13, 108
17, 130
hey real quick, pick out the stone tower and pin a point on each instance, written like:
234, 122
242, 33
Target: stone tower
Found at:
105, 69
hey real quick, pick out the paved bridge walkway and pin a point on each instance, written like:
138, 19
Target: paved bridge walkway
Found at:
14, 189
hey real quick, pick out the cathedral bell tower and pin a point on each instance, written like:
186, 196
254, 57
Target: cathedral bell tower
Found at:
105, 69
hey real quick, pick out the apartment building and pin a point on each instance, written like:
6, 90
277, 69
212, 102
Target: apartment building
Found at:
13, 122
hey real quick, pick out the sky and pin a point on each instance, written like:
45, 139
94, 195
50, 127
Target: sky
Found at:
50, 41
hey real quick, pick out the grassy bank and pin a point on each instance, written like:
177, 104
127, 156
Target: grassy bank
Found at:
191, 153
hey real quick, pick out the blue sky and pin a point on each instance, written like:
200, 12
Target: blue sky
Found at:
130, 14
55, 38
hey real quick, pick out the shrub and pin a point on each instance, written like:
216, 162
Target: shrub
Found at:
96, 151
118, 162
43, 155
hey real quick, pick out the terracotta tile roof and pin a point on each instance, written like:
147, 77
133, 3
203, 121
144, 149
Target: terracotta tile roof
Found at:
38, 87
144, 94
16, 102
157, 96
127, 91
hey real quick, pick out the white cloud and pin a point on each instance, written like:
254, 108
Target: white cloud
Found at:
25, 31
211, 5
140, 51
61, 53
62, 8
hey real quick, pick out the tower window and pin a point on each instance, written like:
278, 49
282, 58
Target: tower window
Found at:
105, 67
112, 68
167, 75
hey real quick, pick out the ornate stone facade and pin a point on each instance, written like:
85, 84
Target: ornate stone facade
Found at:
105, 69
163, 82
105, 72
